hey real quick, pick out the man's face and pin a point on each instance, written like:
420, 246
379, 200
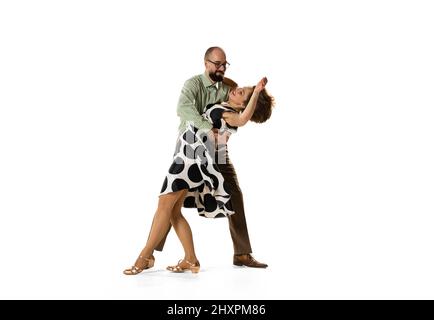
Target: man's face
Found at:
216, 65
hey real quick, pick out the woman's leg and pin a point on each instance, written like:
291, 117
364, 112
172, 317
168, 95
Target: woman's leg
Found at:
160, 224
183, 232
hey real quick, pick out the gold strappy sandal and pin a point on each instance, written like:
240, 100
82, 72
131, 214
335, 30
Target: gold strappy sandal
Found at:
134, 270
193, 267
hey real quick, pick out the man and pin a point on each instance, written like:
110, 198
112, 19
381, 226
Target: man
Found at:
197, 93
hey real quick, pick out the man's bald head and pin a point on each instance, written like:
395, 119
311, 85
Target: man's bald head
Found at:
214, 51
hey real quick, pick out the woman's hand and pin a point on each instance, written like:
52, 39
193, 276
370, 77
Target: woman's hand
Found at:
261, 84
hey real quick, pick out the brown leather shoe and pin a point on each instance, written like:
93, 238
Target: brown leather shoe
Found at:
248, 261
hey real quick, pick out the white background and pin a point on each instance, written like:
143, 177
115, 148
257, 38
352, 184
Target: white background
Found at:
338, 185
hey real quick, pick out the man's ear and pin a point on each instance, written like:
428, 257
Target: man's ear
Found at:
229, 82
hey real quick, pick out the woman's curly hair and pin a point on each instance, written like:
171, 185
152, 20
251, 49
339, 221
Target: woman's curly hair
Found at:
264, 106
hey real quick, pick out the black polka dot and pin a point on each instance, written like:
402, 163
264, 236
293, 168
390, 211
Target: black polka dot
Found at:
220, 215
216, 116
204, 170
200, 153
215, 181
163, 188
208, 184
194, 173
209, 106
189, 152
189, 137
200, 188
177, 166
228, 206
189, 202
210, 203
179, 184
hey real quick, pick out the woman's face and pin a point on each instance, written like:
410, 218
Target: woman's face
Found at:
239, 95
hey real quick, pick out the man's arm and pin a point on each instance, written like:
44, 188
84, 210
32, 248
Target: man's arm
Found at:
187, 109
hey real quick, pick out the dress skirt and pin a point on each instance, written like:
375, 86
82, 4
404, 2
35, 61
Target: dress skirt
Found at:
194, 167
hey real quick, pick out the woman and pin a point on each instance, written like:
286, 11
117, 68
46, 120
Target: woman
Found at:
194, 179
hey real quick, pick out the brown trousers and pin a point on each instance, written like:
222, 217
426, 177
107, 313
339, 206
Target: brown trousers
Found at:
237, 221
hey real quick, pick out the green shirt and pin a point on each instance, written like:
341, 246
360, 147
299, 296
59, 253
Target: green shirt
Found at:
196, 94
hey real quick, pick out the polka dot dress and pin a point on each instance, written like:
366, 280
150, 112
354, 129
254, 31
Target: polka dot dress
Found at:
194, 167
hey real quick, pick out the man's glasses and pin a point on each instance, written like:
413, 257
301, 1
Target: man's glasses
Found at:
219, 64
